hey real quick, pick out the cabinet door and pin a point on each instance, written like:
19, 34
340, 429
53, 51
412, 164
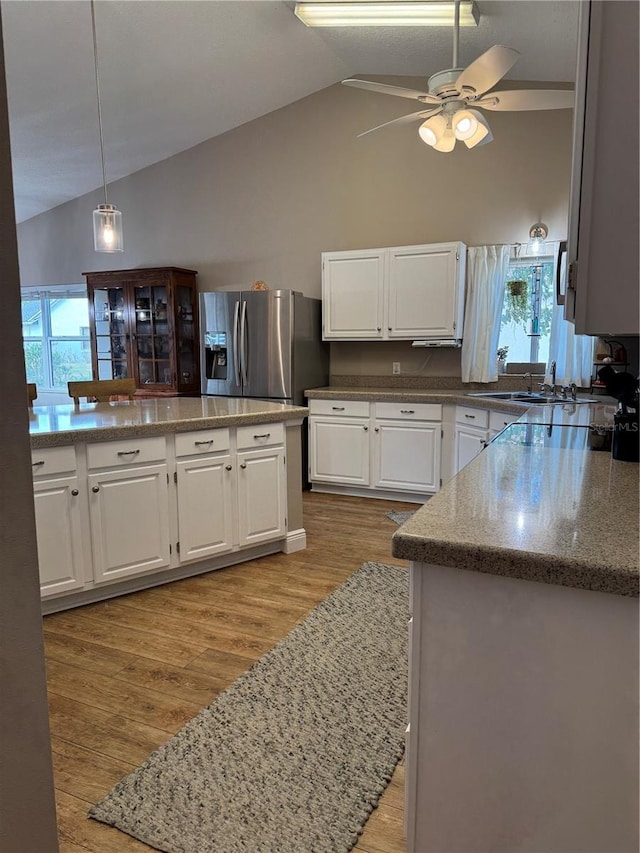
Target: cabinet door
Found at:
407, 456
110, 332
129, 512
352, 295
339, 451
206, 504
261, 495
602, 294
424, 294
468, 443
59, 534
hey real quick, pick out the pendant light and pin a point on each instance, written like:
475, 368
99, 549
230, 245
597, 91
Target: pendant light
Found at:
107, 219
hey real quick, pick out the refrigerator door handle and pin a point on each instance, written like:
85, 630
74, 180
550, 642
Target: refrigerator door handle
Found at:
236, 363
243, 342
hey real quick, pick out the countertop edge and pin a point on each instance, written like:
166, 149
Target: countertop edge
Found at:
522, 565
114, 432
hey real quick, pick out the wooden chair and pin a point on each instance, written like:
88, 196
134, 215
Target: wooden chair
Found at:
101, 390
32, 393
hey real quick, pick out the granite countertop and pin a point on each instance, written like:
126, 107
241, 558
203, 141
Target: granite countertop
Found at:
563, 514
52, 426
555, 515
578, 414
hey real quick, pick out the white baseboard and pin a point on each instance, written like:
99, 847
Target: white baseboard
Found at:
375, 494
296, 541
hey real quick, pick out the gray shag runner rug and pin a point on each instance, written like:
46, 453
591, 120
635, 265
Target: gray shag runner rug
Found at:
295, 754
399, 517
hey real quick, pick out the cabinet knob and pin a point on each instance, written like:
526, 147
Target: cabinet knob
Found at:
228, 467
75, 492
95, 489
377, 429
379, 328
389, 329
243, 464
366, 429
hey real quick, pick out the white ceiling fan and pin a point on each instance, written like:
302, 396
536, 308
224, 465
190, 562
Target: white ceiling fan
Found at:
455, 93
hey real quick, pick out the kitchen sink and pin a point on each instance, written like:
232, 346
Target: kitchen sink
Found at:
529, 397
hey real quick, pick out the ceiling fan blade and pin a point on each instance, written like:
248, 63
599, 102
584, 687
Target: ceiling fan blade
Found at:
387, 89
487, 69
528, 99
422, 114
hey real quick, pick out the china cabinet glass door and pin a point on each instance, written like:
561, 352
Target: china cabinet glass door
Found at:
152, 339
186, 335
110, 313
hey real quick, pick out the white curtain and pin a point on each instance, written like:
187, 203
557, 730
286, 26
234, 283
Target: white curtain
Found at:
487, 268
573, 354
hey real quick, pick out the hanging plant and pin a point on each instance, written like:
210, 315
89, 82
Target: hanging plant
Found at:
517, 294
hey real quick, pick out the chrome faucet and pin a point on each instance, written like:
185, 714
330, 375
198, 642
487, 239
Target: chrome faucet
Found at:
550, 388
529, 377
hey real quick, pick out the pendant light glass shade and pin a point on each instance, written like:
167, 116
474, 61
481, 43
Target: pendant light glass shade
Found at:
107, 229
107, 219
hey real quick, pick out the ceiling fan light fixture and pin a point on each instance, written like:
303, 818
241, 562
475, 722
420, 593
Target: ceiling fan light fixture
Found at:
390, 14
482, 134
447, 143
465, 123
432, 130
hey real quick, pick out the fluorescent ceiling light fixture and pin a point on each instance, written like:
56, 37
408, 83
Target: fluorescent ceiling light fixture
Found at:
375, 14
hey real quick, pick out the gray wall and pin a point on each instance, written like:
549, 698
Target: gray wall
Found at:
264, 200
27, 808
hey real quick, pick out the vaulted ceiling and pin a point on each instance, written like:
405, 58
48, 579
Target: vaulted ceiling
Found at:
176, 72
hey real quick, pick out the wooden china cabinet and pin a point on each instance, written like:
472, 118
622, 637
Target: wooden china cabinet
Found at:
144, 326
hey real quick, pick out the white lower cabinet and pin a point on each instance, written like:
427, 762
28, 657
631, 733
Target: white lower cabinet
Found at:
129, 512
119, 510
59, 534
233, 498
339, 450
58, 502
470, 435
261, 496
206, 498
406, 447
380, 447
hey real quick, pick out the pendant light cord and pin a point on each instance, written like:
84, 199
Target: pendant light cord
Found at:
95, 60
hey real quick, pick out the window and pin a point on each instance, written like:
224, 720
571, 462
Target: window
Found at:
525, 327
55, 333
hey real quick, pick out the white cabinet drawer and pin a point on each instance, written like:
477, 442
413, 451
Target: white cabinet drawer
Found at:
260, 435
348, 408
202, 441
499, 420
472, 417
409, 411
53, 460
133, 451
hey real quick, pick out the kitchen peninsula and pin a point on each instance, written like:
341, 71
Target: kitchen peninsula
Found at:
523, 697
136, 493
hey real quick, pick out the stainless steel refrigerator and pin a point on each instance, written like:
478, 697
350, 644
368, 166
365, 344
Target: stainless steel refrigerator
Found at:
265, 344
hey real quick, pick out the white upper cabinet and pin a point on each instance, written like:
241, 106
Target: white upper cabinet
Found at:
602, 292
352, 294
400, 293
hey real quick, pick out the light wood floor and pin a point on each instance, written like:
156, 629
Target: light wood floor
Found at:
124, 675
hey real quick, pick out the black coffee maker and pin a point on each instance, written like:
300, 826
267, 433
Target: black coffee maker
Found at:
625, 441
